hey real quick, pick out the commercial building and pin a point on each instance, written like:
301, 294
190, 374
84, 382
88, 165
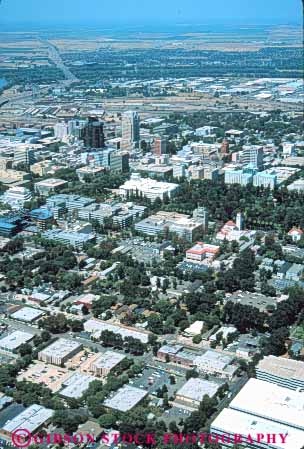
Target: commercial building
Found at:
75, 239
24, 156
160, 146
10, 225
87, 300
176, 354
59, 352
216, 364
130, 129
42, 168
95, 327
106, 362
88, 172
238, 176
267, 179
92, 133
27, 314
253, 155
76, 385
14, 177
32, 419
201, 214
233, 426
272, 402
42, 217
185, 227
16, 197
148, 188
284, 372
49, 186
126, 398
201, 251
192, 393
13, 341
62, 203
61, 131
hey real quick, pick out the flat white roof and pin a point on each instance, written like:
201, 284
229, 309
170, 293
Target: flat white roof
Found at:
196, 389
279, 366
272, 402
98, 326
213, 359
27, 314
126, 398
76, 385
31, 419
61, 348
108, 360
234, 422
14, 340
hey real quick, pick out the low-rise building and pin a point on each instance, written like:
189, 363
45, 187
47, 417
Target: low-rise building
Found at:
59, 352
49, 186
76, 385
180, 224
216, 364
75, 239
106, 362
201, 251
148, 188
296, 234
27, 314
125, 399
192, 393
95, 327
12, 342
32, 419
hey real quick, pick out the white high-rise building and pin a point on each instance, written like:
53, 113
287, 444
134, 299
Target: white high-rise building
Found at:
130, 130
61, 130
239, 221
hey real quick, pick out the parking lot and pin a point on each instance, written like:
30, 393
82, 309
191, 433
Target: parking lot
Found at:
153, 378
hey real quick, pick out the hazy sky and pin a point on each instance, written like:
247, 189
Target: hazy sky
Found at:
150, 11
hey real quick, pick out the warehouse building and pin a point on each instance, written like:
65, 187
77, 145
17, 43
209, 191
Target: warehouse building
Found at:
233, 422
27, 314
192, 393
264, 408
76, 385
59, 352
277, 404
31, 419
125, 398
286, 373
13, 341
106, 362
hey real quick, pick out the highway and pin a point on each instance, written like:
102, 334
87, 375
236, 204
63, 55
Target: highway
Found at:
55, 57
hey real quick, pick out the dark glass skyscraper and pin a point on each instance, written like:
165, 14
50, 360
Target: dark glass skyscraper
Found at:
92, 133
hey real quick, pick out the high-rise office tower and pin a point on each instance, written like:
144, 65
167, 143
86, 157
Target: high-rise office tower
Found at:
24, 156
130, 130
201, 214
92, 133
61, 130
239, 221
253, 155
160, 146
225, 147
